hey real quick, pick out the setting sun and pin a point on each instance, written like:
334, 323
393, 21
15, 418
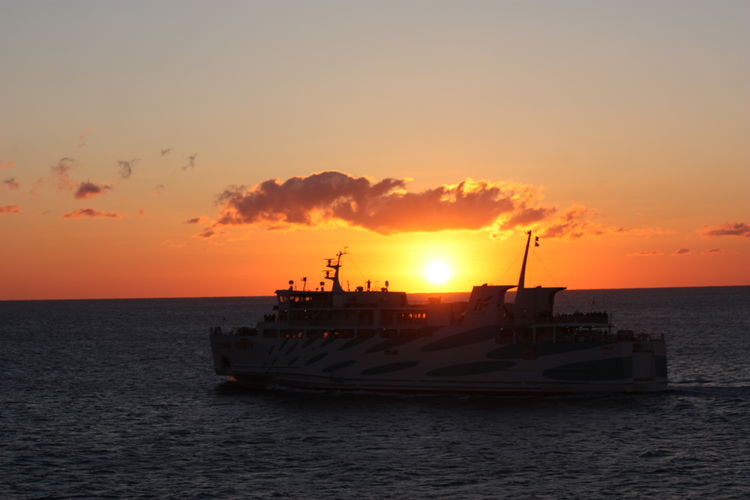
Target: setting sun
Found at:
437, 272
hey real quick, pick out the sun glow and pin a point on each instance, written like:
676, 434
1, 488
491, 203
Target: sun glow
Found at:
437, 272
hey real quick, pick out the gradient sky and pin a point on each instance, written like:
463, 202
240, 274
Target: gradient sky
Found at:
618, 131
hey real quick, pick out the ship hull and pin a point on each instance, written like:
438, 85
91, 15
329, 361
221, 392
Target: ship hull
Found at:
471, 362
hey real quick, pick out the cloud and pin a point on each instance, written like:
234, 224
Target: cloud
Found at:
384, 207
194, 220
728, 229
191, 162
126, 167
646, 253
88, 189
61, 171
10, 209
209, 233
83, 135
713, 251
89, 213
173, 244
573, 223
7, 164
165, 152
11, 183
158, 189
682, 251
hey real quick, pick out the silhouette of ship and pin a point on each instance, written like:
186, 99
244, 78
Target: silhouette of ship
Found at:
376, 341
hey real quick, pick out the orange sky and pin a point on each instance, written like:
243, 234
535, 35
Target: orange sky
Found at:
137, 137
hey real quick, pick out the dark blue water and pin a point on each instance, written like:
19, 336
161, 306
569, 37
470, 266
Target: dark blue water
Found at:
117, 398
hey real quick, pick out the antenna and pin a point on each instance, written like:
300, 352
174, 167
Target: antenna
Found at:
522, 278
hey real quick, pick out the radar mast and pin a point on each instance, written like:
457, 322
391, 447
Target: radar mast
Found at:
336, 286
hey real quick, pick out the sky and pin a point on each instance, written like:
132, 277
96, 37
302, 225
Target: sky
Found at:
197, 148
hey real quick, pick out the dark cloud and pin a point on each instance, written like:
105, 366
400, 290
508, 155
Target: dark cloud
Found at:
191, 162
126, 167
713, 251
384, 207
682, 251
165, 152
194, 220
11, 183
89, 213
10, 209
209, 233
729, 229
88, 189
61, 171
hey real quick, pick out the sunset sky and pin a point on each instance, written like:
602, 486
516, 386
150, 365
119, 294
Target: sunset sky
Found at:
199, 148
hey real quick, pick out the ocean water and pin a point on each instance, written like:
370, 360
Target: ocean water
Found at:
117, 398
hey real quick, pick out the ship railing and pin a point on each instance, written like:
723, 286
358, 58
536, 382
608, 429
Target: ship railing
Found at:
555, 332
581, 317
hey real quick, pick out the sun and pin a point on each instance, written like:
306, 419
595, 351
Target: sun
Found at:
437, 272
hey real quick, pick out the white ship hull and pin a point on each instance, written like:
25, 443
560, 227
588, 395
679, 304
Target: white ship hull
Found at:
424, 365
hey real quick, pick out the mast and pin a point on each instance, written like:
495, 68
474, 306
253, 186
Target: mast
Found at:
336, 287
522, 278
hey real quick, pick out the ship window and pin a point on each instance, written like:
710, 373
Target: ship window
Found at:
364, 317
409, 333
291, 334
343, 334
390, 333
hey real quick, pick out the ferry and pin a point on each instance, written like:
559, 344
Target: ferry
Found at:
377, 341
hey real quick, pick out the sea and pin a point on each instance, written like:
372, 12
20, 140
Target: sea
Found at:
118, 399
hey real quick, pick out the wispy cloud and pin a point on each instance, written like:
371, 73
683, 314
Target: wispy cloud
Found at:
195, 220
713, 251
11, 183
173, 244
90, 213
10, 209
61, 172
209, 233
88, 189
728, 229
165, 152
682, 251
7, 164
159, 189
83, 135
646, 253
126, 167
191, 162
